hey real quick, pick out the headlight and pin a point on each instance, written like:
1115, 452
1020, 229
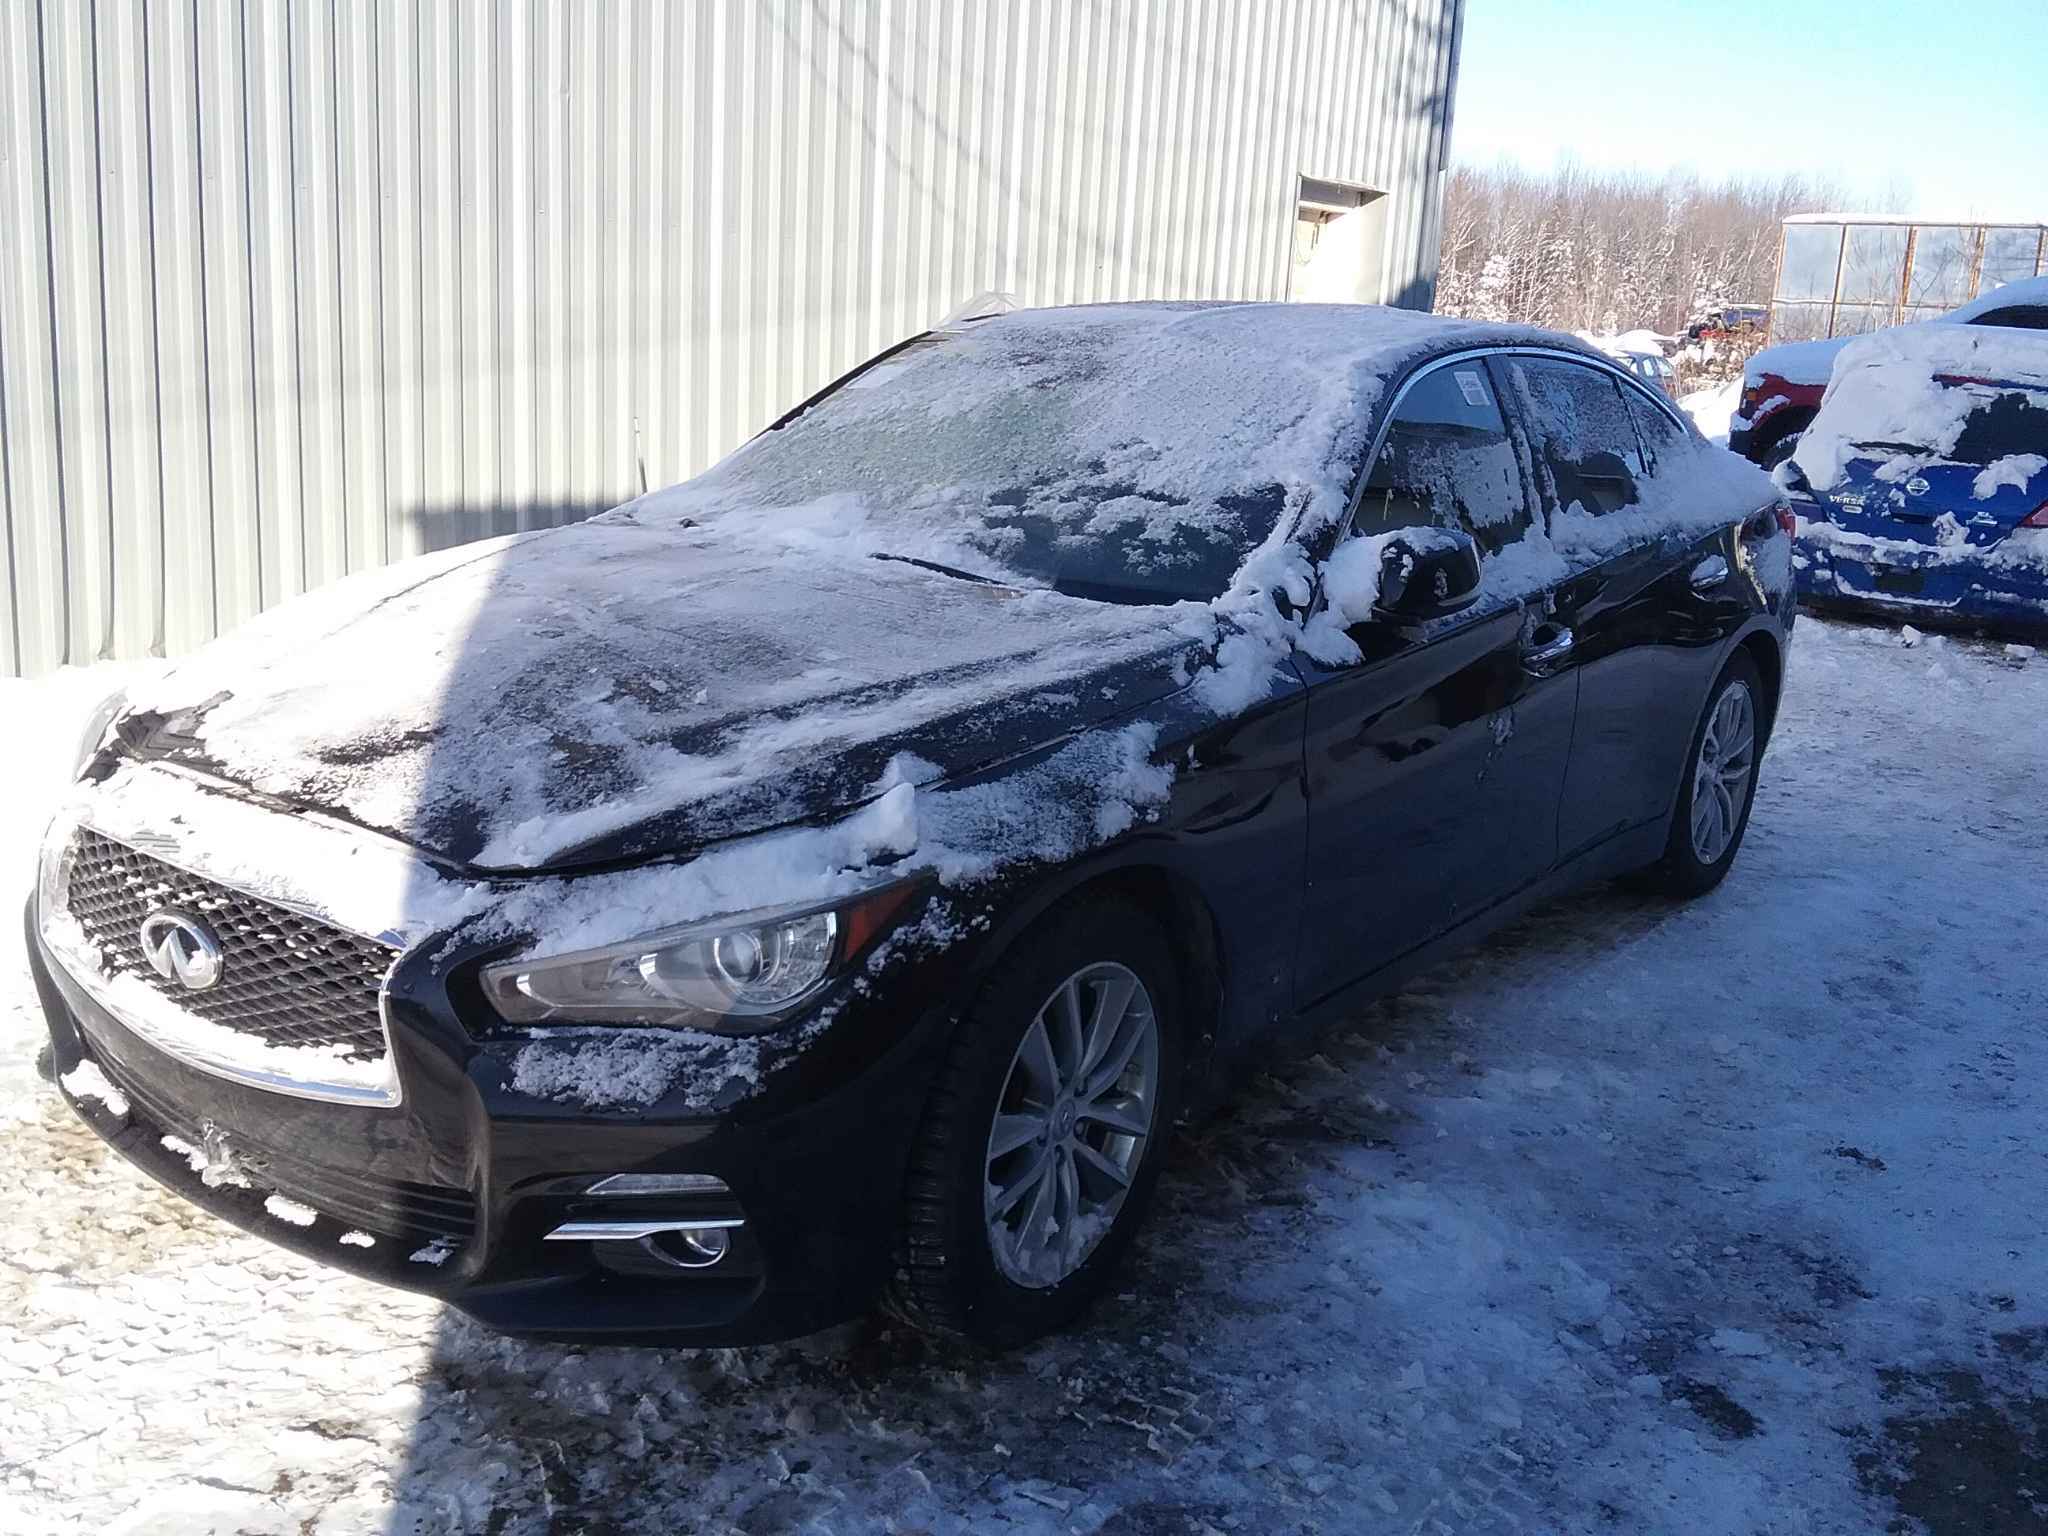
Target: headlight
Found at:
96, 728
53, 865
738, 974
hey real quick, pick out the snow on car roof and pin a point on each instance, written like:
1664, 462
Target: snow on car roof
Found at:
1897, 387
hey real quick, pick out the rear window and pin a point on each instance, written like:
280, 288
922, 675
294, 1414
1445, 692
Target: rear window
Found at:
2009, 424
2022, 317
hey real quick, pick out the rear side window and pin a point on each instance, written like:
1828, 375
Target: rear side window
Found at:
1580, 432
1447, 463
1662, 438
2009, 424
2022, 317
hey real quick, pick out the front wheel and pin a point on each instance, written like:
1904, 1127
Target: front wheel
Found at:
1720, 785
1043, 1138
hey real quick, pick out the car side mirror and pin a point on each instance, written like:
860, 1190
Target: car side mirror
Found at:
1427, 573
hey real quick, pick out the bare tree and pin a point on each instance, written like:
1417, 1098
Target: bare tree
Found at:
1605, 251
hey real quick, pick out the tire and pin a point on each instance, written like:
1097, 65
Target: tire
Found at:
1692, 865
1781, 449
991, 1277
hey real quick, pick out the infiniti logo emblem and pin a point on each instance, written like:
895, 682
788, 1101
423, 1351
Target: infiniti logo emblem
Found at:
181, 948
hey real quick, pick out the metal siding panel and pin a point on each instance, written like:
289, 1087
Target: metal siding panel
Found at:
757, 222
479, 251
512, 114
135, 504
398, 185
315, 212
273, 276
550, 423
439, 516
29, 405
239, 531
337, 278
182, 343
359, 277
79, 339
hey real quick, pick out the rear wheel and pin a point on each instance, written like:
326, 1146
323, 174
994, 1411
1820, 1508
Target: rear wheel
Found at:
1720, 785
1042, 1141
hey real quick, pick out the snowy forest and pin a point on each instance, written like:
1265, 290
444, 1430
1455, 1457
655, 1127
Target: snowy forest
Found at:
1582, 250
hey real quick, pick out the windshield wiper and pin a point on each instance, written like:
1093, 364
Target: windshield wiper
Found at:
943, 570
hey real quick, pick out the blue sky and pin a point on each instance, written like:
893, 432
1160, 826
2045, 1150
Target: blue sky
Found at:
1941, 106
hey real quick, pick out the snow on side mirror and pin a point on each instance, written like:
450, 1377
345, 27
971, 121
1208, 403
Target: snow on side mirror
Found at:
1425, 574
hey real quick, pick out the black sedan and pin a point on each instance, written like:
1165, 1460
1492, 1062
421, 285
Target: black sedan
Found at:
825, 882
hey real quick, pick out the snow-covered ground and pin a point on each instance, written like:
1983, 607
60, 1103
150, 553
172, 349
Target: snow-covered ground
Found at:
1719, 1218
1711, 409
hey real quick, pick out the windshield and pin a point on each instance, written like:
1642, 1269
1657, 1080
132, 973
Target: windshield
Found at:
1126, 460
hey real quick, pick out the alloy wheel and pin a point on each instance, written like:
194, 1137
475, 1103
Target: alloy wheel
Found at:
1721, 777
1071, 1124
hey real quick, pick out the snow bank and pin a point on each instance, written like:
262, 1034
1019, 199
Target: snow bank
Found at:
1713, 410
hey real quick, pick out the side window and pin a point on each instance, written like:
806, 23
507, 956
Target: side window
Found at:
1663, 440
2024, 317
1447, 463
1580, 432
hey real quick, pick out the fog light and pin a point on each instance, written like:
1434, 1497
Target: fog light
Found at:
695, 1249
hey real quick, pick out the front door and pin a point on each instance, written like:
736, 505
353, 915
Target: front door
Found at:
1436, 757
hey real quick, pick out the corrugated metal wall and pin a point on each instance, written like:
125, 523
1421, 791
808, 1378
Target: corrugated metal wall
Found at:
293, 287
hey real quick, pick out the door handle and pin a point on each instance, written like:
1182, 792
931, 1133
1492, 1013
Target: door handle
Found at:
1542, 655
1709, 573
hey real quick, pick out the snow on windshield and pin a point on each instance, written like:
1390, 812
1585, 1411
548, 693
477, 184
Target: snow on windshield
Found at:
1133, 452
1920, 395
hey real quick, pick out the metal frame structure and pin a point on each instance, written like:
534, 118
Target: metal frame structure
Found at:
1901, 303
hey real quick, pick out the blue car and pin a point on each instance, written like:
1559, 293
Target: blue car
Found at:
1922, 486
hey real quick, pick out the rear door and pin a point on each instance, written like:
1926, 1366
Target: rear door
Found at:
1645, 622
1436, 756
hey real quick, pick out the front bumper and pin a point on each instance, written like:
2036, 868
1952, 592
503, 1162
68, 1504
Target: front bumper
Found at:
456, 1187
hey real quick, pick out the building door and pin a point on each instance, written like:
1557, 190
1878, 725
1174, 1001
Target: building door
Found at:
1340, 244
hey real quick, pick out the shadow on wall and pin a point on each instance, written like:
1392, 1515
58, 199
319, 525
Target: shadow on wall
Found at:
439, 528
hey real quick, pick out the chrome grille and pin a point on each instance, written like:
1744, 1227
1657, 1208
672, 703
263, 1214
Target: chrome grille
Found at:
286, 979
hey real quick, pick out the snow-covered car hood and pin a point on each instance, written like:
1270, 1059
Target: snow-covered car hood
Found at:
1796, 362
612, 690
